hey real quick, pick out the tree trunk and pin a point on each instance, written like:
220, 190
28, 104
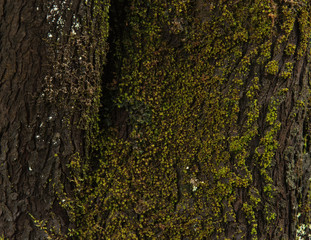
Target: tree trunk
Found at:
42, 124
209, 120
217, 96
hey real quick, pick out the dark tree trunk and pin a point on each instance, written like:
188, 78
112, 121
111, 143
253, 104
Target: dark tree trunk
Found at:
40, 123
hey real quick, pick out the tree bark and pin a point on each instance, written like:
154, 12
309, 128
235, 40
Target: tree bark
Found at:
259, 50
37, 135
210, 119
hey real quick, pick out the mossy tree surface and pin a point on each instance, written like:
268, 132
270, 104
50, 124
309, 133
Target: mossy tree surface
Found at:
209, 133
52, 53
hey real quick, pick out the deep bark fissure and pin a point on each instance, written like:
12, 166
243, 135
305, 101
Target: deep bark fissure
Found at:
110, 115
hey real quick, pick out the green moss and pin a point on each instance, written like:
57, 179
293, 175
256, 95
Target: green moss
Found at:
265, 52
304, 28
290, 49
272, 67
289, 19
287, 73
193, 99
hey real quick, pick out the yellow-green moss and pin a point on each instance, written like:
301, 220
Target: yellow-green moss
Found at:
272, 67
304, 30
184, 83
287, 72
290, 49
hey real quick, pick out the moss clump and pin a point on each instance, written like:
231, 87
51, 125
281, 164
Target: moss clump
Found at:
288, 70
272, 67
290, 49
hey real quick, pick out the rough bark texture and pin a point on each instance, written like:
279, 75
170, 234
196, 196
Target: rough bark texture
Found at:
207, 105
37, 136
